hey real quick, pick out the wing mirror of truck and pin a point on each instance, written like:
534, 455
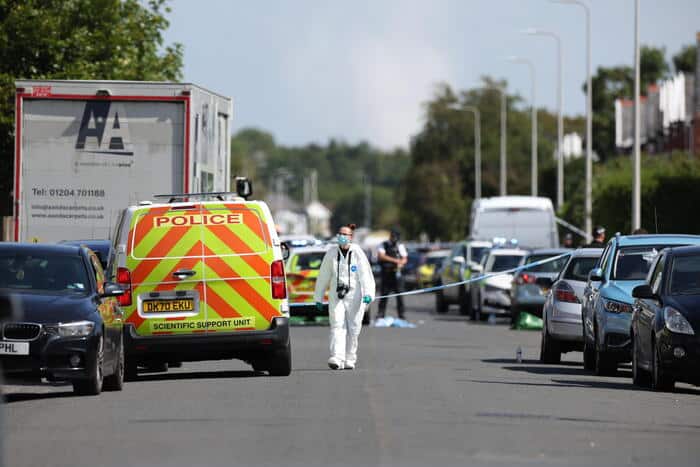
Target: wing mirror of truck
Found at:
244, 187
458, 260
596, 275
643, 291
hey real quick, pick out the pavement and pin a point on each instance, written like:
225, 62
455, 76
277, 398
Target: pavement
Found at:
447, 393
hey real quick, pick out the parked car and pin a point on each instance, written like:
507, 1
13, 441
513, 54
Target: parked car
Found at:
102, 248
302, 269
665, 330
530, 286
428, 272
459, 266
71, 324
492, 294
529, 219
562, 329
607, 303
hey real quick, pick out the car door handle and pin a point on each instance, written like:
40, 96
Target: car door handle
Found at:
182, 273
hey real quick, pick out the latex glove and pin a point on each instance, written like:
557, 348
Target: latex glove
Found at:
319, 306
366, 299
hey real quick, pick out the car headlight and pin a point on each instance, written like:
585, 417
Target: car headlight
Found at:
676, 322
76, 329
613, 306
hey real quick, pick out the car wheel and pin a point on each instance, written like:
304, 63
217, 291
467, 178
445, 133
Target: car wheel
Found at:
660, 380
93, 385
604, 365
115, 381
640, 377
476, 308
280, 364
441, 305
550, 351
588, 353
465, 301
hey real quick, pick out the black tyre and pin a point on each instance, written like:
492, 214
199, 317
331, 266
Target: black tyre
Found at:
115, 381
441, 305
550, 350
660, 380
465, 302
280, 363
93, 385
476, 314
640, 377
588, 353
604, 364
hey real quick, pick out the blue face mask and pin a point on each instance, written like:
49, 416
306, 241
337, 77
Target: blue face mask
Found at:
343, 239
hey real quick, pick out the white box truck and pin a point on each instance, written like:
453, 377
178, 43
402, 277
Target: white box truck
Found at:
85, 150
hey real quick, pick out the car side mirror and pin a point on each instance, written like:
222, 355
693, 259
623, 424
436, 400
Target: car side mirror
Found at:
112, 290
596, 275
477, 268
458, 260
285, 251
643, 291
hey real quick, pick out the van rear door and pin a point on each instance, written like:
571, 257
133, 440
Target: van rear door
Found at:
165, 256
239, 259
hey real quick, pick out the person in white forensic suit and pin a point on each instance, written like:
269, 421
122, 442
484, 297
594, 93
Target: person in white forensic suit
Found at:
346, 270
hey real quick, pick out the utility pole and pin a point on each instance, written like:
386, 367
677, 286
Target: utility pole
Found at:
636, 182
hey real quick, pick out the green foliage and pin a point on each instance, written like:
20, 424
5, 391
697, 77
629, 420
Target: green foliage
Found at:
78, 39
342, 171
670, 184
686, 59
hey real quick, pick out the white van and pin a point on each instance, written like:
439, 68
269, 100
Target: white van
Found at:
528, 219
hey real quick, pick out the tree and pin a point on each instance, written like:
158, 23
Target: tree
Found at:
78, 39
685, 60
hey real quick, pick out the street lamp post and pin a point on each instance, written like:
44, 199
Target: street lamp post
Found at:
477, 148
560, 122
588, 208
636, 183
533, 125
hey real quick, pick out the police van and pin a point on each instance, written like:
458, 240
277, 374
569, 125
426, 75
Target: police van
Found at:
205, 280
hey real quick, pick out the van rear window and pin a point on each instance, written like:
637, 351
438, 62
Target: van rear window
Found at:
191, 231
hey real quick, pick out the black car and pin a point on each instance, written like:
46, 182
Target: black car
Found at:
666, 321
69, 326
102, 248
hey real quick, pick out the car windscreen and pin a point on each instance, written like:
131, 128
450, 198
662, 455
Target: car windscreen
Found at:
505, 262
685, 276
309, 261
43, 272
578, 268
633, 262
553, 266
478, 253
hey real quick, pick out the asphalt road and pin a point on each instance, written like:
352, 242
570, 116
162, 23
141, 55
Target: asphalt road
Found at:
446, 393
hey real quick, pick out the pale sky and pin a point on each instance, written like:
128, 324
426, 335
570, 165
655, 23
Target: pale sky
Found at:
311, 70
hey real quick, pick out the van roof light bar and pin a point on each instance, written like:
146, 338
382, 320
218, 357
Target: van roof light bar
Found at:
217, 195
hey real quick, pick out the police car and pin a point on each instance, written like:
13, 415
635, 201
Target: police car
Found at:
206, 281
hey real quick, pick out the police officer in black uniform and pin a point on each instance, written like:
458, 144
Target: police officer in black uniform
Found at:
598, 238
392, 257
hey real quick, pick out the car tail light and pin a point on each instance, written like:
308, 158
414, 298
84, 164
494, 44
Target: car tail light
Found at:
124, 280
525, 278
279, 285
564, 293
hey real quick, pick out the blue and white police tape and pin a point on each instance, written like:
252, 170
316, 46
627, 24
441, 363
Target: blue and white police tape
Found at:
467, 281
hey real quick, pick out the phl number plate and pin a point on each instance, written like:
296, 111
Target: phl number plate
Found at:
168, 306
14, 348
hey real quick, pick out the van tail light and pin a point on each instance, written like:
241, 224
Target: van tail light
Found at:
564, 293
525, 278
124, 280
277, 280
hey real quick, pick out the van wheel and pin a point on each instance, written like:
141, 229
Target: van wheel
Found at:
280, 363
440, 303
115, 381
465, 301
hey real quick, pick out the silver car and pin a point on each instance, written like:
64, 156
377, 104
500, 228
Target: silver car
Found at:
562, 330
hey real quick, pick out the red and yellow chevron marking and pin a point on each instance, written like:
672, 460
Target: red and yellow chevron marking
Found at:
231, 261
